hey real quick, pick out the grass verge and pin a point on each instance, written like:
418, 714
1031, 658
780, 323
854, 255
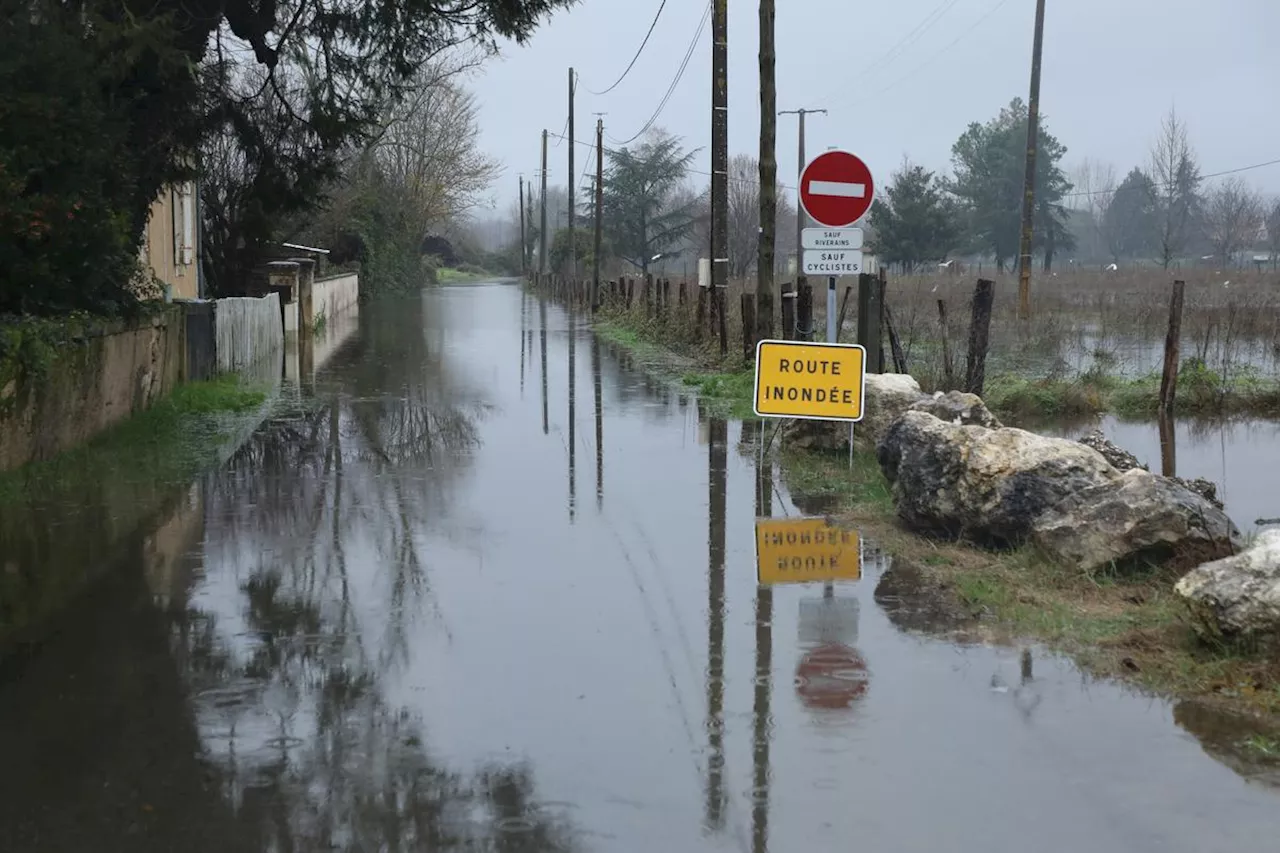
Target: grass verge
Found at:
1129, 627
172, 441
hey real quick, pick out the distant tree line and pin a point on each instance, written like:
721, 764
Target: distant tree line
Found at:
1161, 212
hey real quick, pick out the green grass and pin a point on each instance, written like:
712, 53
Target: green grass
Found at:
828, 477
1200, 391
731, 391
449, 275
1263, 746
172, 440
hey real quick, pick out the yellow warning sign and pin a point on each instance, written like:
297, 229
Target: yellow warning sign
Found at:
813, 381
806, 550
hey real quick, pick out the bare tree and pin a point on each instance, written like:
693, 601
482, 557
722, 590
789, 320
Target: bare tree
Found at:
429, 151
1176, 174
1095, 188
1233, 218
1273, 232
744, 216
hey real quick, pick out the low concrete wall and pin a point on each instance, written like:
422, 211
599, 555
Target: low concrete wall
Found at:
114, 372
246, 331
335, 296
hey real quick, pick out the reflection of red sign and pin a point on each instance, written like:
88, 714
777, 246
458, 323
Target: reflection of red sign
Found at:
831, 677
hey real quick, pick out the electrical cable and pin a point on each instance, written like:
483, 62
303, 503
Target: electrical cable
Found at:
697, 36
731, 180
632, 64
895, 84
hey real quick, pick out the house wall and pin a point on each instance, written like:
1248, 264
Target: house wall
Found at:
170, 246
115, 371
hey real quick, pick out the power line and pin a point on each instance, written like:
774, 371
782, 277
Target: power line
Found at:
907, 40
747, 181
632, 64
936, 56
1223, 173
697, 36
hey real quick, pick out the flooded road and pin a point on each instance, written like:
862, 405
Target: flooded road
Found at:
490, 587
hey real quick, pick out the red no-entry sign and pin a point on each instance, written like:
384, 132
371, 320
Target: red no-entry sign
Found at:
836, 189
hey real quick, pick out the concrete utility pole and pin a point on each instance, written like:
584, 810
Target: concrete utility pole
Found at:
1029, 177
800, 217
720, 165
573, 236
542, 236
524, 255
595, 276
768, 173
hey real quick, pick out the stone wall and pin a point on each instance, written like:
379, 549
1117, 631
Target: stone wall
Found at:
115, 371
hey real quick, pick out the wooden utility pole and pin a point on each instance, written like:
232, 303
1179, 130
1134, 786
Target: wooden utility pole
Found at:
573, 235
542, 235
524, 255
595, 277
768, 173
720, 165
1029, 177
528, 204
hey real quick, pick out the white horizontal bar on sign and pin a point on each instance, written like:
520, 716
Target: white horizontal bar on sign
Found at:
837, 188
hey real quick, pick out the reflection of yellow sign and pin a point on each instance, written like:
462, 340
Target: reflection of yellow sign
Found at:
805, 550
814, 381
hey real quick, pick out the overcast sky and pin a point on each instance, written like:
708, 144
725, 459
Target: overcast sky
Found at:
893, 87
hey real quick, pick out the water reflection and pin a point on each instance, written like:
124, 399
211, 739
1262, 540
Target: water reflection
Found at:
717, 431
762, 717
542, 336
598, 388
1168, 445
315, 578
383, 634
573, 440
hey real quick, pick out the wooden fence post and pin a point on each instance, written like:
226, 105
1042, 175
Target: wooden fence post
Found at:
748, 301
979, 336
1172, 349
948, 366
870, 321
804, 311
788, 312
895, 345
844, 308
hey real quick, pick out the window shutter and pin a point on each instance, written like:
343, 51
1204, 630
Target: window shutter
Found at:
188, 224
175, 220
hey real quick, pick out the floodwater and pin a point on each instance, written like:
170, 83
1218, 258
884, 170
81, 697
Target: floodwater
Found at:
1240, 456
489, 587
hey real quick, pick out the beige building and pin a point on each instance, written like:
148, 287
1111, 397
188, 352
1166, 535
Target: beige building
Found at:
171, 243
